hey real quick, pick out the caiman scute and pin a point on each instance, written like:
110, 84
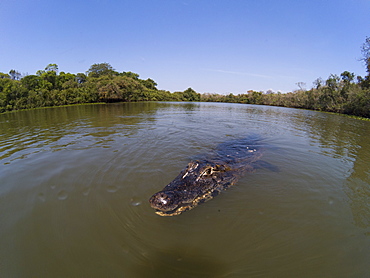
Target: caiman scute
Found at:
205, 178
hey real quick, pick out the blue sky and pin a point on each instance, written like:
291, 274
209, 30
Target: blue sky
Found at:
214, 46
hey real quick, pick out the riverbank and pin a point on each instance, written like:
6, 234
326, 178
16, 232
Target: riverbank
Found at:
102, 103
350, 99
49, 88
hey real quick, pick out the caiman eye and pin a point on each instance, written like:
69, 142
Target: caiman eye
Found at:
209, 171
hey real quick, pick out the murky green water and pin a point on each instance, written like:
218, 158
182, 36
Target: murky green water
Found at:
74, 185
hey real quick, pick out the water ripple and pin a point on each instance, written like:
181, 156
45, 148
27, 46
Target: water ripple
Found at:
75, 184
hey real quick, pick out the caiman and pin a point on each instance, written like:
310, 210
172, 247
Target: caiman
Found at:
205, 178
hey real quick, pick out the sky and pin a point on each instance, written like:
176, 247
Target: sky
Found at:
212, 46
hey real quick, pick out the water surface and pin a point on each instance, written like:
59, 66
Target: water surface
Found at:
75, 183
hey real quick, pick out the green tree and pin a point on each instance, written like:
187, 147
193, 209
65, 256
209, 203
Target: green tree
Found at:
31, 82
190, 95
52, 67
149, 83
333, 81
49, 80
318, 83
97, 70
81, 78
119, 88
4, 75
15, 75
66, 80
347, 76
40, 72
130, 74
255, 97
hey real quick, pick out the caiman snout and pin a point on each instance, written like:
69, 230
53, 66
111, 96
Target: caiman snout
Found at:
164, 201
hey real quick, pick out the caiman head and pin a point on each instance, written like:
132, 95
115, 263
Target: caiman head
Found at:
169, 203
197, 183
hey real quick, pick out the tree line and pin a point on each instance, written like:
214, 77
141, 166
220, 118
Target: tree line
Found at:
101, 83
345, 93
339, 94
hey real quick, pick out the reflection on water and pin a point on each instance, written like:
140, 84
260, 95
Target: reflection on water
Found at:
174, 263
75, 183
340, 137
30, 132
358, 189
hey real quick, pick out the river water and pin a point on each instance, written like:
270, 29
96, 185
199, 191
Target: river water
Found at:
75, 183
